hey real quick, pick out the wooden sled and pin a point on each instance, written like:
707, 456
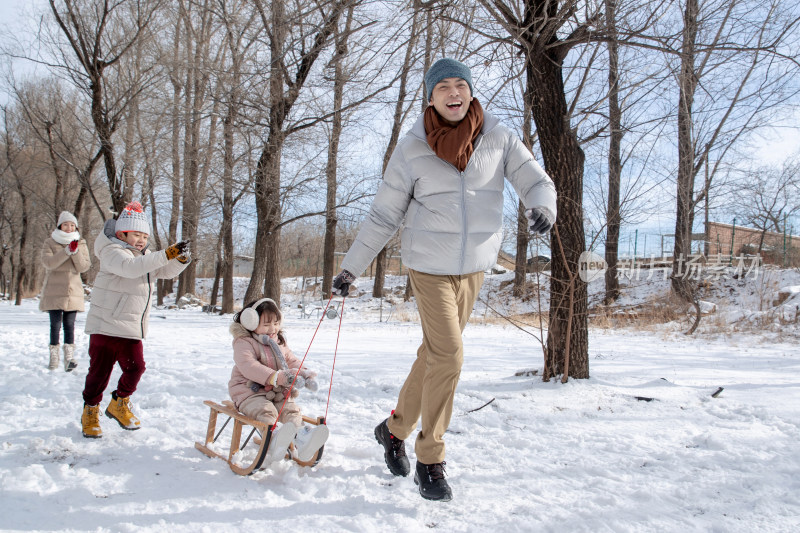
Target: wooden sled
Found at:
261, 440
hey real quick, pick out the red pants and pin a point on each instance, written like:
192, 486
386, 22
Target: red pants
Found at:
104, 352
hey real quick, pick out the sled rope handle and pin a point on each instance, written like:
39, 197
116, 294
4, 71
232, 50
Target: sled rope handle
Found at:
289, 395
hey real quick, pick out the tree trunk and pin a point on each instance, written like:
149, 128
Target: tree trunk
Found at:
380, 273
59, 202
129, 141
329, 245
684, 219
23, 240
521, 260
266, 264
78, 207
195, 92
536, 32
217, 273
175, 180
227, 258
266, 268
523, 234
567, 339
105, 134
613, 219
394, 136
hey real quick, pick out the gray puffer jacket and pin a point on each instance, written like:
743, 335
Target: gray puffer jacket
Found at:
123, 289
453, 220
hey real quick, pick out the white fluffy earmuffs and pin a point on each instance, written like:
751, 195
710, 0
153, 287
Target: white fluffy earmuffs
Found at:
249, 317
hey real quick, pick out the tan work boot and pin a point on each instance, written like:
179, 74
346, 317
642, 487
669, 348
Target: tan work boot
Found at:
53, 357
90, 420
69, 360
119, 409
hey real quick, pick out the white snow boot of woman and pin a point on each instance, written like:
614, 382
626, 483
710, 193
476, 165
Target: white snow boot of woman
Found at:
308, 440
69, 360
54, 356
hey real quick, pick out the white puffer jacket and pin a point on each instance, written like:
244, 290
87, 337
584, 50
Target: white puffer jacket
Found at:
453, 220
123, 289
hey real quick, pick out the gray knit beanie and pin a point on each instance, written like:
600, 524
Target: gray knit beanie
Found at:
132, 218
66, 216
446, 68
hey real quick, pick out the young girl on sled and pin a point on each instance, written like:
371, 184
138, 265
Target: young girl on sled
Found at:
263, 372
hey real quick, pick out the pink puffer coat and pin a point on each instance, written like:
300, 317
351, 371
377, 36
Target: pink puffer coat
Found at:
254, 362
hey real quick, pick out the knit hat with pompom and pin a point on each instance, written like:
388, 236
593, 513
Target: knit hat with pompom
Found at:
132, 218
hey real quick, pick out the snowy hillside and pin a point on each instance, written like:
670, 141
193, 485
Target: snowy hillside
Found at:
582, 456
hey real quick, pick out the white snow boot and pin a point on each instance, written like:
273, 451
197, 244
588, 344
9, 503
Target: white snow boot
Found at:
308, 440
69, 361
279, 442
53, 356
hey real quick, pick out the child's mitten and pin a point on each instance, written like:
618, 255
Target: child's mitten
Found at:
177, 249
281, 378
310, 383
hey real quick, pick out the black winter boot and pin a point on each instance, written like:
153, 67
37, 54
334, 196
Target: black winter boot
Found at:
394, 450
432, 485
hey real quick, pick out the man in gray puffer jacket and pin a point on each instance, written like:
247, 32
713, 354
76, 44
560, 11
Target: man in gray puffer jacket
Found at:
444, 184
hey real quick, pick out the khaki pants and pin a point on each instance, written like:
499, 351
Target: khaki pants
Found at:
257, 406
444, 303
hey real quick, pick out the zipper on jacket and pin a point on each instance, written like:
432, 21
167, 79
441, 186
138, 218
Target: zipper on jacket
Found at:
147, 303
463, 196
464, 232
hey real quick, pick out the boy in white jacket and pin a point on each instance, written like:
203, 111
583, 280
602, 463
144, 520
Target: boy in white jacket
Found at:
119, 311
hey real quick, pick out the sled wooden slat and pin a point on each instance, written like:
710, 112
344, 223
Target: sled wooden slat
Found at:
239, 422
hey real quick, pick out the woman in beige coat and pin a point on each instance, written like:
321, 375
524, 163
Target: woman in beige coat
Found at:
65, 257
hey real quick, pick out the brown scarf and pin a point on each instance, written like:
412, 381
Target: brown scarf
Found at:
454, 143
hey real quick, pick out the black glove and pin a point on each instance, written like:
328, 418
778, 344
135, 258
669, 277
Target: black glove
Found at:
540, 220
177, 249
341, 283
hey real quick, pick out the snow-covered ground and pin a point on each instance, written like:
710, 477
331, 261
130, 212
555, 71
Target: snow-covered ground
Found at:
582, 456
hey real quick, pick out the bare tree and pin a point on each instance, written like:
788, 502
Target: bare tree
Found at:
534, 27
339, 79
773, 197
17, 164
613, 219
55, 119
197, 152
98, 34
284, 90
239, 38
714, 41
401, 110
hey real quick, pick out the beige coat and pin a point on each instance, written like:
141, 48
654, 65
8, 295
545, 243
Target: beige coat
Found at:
63, 288
123, 289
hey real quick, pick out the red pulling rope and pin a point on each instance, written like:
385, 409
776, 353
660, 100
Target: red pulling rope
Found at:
333, 366
289, 394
